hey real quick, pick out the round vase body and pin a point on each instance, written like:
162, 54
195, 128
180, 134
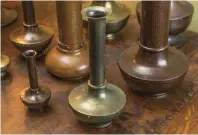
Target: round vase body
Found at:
32, 38
68, 64
153, 74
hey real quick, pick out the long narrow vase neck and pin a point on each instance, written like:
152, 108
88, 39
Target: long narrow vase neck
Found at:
154, 29
69, 24
28, 13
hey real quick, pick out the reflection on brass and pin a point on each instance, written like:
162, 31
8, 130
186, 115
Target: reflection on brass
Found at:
181, 13
70, 58
5, 61
97, 102
153, 68
31, 35
35, 96
116, 21
7, 16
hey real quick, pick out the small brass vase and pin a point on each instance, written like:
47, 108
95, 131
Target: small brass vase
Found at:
181, 13
153, 68
97, 102
31, 36
116, 21
35, 97
7, 16
5, 61
70, 58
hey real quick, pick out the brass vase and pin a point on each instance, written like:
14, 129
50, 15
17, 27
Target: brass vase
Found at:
153, 68
181, 13
31, 35
97, 102
5, 61
7, 16
70, 58
116, 21
35, 97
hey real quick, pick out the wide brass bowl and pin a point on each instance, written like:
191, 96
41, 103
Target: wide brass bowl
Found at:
97, 107
34, 38
7, 16
153, 74
115, 21
5, 61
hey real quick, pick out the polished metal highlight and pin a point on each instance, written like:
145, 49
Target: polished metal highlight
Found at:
152, 68
181, 13
115, 21
35, 97
31, 35
97, 102
70, 58
5, 61
7, 16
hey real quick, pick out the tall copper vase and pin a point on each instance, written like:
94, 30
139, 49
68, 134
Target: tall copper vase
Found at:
31, 35
153, 68
69, 59
93, 103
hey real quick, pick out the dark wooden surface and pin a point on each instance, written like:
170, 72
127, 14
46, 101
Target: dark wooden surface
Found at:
175, 114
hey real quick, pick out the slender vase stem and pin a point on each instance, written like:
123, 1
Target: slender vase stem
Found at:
97, 30
31, 65
69, 20
154, 30
28, 13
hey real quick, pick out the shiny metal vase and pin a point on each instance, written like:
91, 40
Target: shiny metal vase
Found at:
181, 13
97, 103
35, 96
153, 68
31, 36
116, 21
7, 16
70, 58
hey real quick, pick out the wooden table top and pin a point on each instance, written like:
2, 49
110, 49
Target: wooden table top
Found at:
178, 113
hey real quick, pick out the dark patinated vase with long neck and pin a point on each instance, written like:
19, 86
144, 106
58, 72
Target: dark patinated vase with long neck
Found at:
153, 68
93, 103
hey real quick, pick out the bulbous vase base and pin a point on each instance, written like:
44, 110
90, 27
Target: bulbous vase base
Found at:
153, 74
71, 65
36, 100
32, 38
97, 107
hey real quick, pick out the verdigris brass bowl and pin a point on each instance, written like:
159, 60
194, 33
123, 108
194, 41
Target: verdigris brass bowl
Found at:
115, 21
7, 16
5, 61
181, 13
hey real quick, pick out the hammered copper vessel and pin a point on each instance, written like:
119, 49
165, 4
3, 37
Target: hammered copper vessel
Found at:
70, 58
7, 16
5, 61
35, 96
181, 13
31, 35
116, 21
153, 68
97, 102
